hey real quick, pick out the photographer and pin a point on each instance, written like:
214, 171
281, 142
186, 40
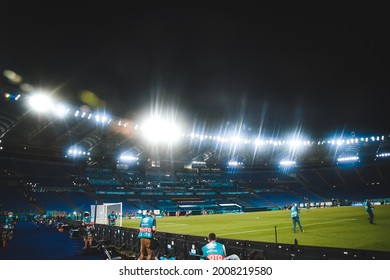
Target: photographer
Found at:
147, 228
215, 250
8, 229
87, 223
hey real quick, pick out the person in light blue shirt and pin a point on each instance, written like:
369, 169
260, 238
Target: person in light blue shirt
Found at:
147, 228
112, 218
215, 250
370, 210
295, 216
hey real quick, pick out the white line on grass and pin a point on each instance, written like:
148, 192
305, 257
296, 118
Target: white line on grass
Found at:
169, 224
266, 229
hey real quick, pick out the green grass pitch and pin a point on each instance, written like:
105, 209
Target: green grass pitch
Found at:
339, 227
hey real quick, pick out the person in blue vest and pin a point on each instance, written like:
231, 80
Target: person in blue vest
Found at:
295, 216
88, 230
8, 229
147, 228
215, 250
370, 210
112, 218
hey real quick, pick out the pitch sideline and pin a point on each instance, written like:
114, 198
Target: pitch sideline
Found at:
259, 230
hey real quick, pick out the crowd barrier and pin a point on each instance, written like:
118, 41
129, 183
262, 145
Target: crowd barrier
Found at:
179, 246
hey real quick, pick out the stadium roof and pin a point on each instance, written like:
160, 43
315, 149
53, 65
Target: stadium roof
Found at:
71, 133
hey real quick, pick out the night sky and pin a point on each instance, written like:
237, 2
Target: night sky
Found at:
275, 69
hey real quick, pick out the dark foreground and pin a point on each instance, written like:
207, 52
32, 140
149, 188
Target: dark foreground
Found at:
32, 242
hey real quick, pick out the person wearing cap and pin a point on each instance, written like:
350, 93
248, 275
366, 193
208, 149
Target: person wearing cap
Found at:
295, 216
146, 229
8, 229
88, 227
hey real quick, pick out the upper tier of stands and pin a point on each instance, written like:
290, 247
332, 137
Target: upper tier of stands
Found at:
44, 186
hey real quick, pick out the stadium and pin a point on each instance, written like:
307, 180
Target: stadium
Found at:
59, 160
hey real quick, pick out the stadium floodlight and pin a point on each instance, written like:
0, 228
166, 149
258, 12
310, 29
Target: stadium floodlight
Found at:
40, 102
104, 119
236, 139
295, 143
123, 123
128, 158
287, 163
235, 163
352, 141
77, 152
383, 155
348, 159
158, 130
259, 142
61, 110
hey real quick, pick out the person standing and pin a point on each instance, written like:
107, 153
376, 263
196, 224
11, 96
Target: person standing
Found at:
295, 216
146, 229
154, 244
88, 228
112, 218
370, 210
8, 229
